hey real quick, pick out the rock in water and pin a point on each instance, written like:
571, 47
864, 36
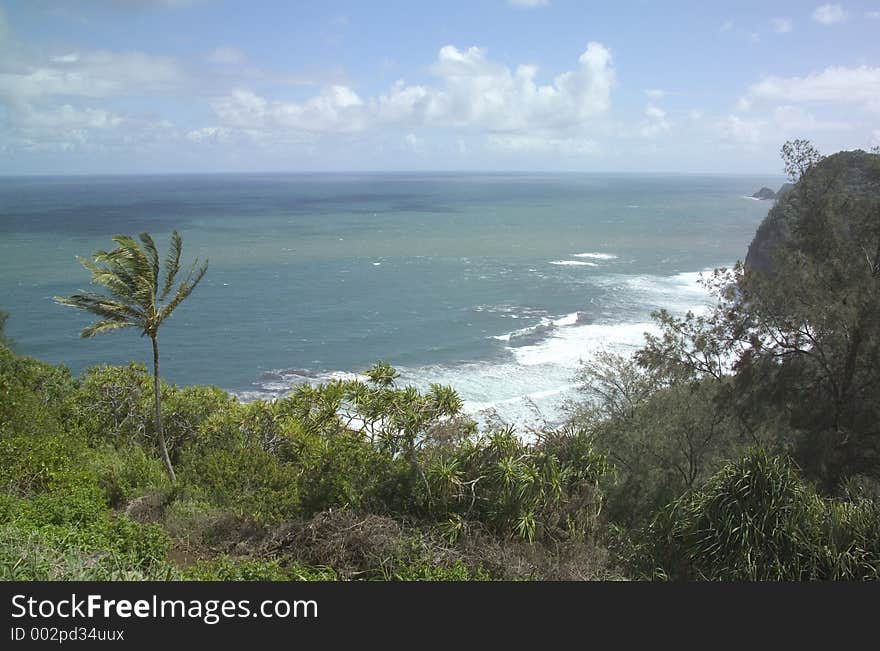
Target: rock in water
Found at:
764, 193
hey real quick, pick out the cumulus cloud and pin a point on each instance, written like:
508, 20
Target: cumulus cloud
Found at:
67, 128
739, 130
655, 93
840, 85
93, 74
480, 93
656, 122
781, 25
784, 121
793, 119
63, 117
48, 99
472, 92
830, 14
337, 108
208, 134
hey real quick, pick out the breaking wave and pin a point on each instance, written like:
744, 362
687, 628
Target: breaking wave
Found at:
531, 374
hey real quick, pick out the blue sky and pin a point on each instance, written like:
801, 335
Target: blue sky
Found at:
130, 86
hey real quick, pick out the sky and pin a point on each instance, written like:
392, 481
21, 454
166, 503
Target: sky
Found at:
192, 86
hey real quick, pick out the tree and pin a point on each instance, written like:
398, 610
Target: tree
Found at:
797, 334
131, 272
815, 316
799, 156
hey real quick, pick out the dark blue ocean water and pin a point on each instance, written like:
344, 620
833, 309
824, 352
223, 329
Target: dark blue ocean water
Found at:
497, 284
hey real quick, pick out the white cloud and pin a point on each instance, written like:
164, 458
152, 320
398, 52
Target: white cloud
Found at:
479, 93
48, 99
875, 138
414, 143
727, 26
94, 74
473, 92
840, 85
208, 134
337, 109
781, 25
226, 56
795, 120
655, 93
63, 117
65, 58
830, 14
873, 15
656, 122
739, 130
529, 4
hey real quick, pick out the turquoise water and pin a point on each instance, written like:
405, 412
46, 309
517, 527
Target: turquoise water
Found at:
497, 284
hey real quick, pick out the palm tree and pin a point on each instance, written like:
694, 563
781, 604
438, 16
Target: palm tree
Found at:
131, 273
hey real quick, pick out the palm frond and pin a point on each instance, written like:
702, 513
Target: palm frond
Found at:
150, 247
172, 263
145, 294
184, 289
131, 257
102, 327
118, 284
102, 306
130, 272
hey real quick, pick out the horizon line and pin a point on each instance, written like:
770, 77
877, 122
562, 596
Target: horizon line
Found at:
381, 172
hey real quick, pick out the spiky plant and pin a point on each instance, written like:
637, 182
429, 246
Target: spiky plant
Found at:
140, 297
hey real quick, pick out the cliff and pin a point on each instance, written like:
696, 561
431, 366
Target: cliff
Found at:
848, 173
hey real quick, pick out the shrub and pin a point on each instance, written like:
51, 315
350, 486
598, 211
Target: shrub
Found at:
249, 481
25, 555
756, 519
532, 491
114, 404
346, 470
225, 568
129, 473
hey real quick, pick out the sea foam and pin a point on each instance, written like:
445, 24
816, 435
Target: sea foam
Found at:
529, 380
595, 256
573, 263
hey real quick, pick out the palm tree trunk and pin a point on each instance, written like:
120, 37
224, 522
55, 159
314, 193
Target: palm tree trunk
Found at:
163, 449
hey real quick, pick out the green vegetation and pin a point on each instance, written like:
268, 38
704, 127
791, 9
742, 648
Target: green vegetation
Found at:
740, 443
131, 272
738, 434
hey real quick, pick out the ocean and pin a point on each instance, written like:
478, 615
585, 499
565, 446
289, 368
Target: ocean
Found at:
497, 284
